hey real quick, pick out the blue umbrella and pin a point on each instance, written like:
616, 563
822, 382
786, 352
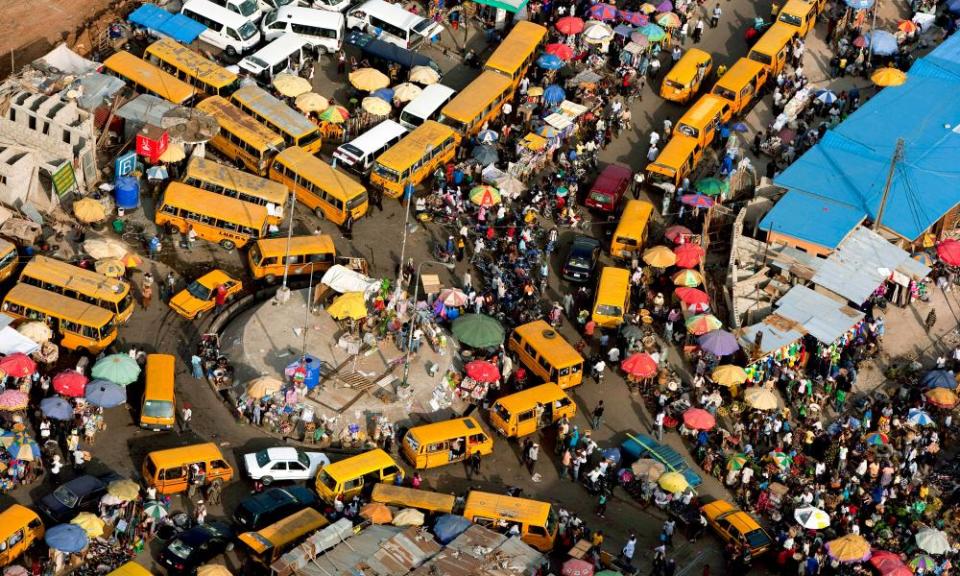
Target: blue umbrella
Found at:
603, 12
105, 394
918, 417
487, 137
485, 154
939, 379
954, 6
653, 32
740, 127
57, 408
68, 538
385, 94
623, 30
554, 94
881, 42
639, 18
826, 96
612, 454
549, 62
859, 4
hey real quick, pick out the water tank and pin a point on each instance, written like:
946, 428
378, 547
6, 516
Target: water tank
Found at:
127, 192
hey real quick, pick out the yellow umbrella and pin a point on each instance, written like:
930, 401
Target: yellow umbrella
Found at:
263, 386
349, 305
111, 267
406, 92
213, 570
290, 85
126, 490
660, 257
105, 248
312, 102
535, 91
942, 397
36, 331
424, 75
688, 278
369, 79
673, 482
729, 375
761, 399
173, 153
90, 523
648, 8
849, 548
88, 210
130, 260
376, 106
888, 77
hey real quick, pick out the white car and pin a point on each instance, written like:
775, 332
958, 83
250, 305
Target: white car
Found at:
283, 463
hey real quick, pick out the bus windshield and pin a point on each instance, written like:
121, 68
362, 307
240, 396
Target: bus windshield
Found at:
247, 31
609, 310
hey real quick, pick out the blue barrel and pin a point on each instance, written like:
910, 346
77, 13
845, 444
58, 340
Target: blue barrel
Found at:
127, 192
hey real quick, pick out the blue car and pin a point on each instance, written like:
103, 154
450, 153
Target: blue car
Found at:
82, 494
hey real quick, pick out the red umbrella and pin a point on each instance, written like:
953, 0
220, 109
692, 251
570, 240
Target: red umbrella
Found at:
17, 365
70, 383
569, 25
889, 564
482, 371
692, 295
640, 365
688, 255
948, 251
699, 419
561, 51
576, 567
674, 233
860, 41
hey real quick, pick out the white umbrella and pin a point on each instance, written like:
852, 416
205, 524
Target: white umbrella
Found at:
406, 92
424, 75
933, 541
811, 518
597, 32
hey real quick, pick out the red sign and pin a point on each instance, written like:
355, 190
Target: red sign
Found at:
152, 142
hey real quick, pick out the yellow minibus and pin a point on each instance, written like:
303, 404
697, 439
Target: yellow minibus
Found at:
20, 527
632, 230
683, 80
741, 85
702, 121
241, 138
269, 258
235, 183
81, 326
476, 104
547, 354
145, 78
130, 569
675, 161
613, 297
191, 67
529, 410
800, 14
773, 47
517, 51
295, 128
169, 470
414, 158
328, 191
536, 520
229, 222
404, 497
267, 545
9, 259
159, 408
80, 284
443, 443
356, 474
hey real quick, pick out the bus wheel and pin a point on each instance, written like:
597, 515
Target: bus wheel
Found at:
227, 244
270, 279
319, 213
231, 52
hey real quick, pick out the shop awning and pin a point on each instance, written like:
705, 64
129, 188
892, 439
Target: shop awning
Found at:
176, 26
508, 5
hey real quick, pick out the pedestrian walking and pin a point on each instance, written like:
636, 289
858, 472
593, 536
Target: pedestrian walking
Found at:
146, 294
658, 422
475, 463
154, 246
170, 284
668, 529
931, 320
348, 227
201, 512
597, 415
698, 31
191, 236
219, 299
532, 455
629, 548
601, 509
715, 16
196, 363
186, 415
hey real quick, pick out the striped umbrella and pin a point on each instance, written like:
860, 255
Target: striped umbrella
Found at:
781, 459
737, 461
877, 439
687, 278
922, 563
155, 509
702, 323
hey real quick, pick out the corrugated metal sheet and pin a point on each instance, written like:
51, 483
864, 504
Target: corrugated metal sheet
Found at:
820, 316
342, 560
401, 554
777, 333
145, 109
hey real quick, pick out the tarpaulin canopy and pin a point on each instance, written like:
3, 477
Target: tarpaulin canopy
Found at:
12, 341
176, 26
343, 280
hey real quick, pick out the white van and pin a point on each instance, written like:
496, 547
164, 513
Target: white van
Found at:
225, 30
424, 106
358, 154
323, 30
278, 56
391, 23
333, 5
249, 9
268, 5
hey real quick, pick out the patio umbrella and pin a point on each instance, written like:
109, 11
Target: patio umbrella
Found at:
597, 32
648, 468
406, 92
668, 20
482, 371
760, 399
36, 331
554, 94
659, 257
848, 549
213, 570
576, 567
676, 232
57, 408
488, 136
949, 252
104, 248
478, 331
485, 195
691, 295
68, 538
376, 513
889, 564
918, 417
549, 62
335, 114
953, 6
652, 32
105, 394
263, 386
640, 365
424, 75
111, 267
665, 6
311, 102
154, 509
8, 437
125, 490
17, 365
535, 91
23, 448
939, 379
941, 397
603, 12
16, 570
699, 419
88, 210
877, 439
859, 4
881, 42
350, 305
687, 278
117, 368
647, 8
712, 186
385, 94
921, 563
673, 482
826, 96
781, 459
485, 154
376, 106
91, 524
811, 518
173, 153
697, 200
860, 42
634, 18
453, 297
719, 343
933, 541
737, 461
291, 85
642, 41
702, 323
130, 260
888, 76
13, 400
561, 51
729, 375
368, 79
70, 383
569, 25
688, 255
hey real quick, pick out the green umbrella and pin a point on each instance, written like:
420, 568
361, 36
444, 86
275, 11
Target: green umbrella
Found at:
120, 369
478, 331
713, 186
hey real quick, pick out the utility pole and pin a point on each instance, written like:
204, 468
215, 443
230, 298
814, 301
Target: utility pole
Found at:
897, 157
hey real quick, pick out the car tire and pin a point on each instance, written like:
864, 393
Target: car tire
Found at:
270, 279
231, 52
319, 213
228, 244
266, 480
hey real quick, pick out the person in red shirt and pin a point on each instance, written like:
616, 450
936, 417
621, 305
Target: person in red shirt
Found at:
220, 299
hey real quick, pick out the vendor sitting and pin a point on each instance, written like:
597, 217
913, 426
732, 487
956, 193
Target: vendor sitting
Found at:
420, 206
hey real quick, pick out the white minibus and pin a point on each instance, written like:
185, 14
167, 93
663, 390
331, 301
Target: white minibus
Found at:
249, 9
391, 23
358, 154
280, 55
323, 30
225, 30
425, 106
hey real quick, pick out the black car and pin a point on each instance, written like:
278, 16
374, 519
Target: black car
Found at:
581, 259
82, 494
264, 509
192, 548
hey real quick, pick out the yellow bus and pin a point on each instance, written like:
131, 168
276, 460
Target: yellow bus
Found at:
145, 78
476, 104
547, 354
517, 51
328, 191
272, 257
235, 183
702, 120
675, 161
800, 14
355, 474
613, 297
683, 80
80, 284
536, 520
773, 47
531, 409
191, 67
231, 223
403, 497
632, 230
742, 83
292, 126
446, 442
81, 326
241, 138
414, 158
158, 411
267, 545
8, 259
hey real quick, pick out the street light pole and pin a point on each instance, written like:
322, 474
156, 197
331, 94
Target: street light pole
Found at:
406, 227
286, 252
413, 317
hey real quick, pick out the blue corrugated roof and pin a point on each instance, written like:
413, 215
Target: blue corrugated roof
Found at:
176, 26
812, 218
